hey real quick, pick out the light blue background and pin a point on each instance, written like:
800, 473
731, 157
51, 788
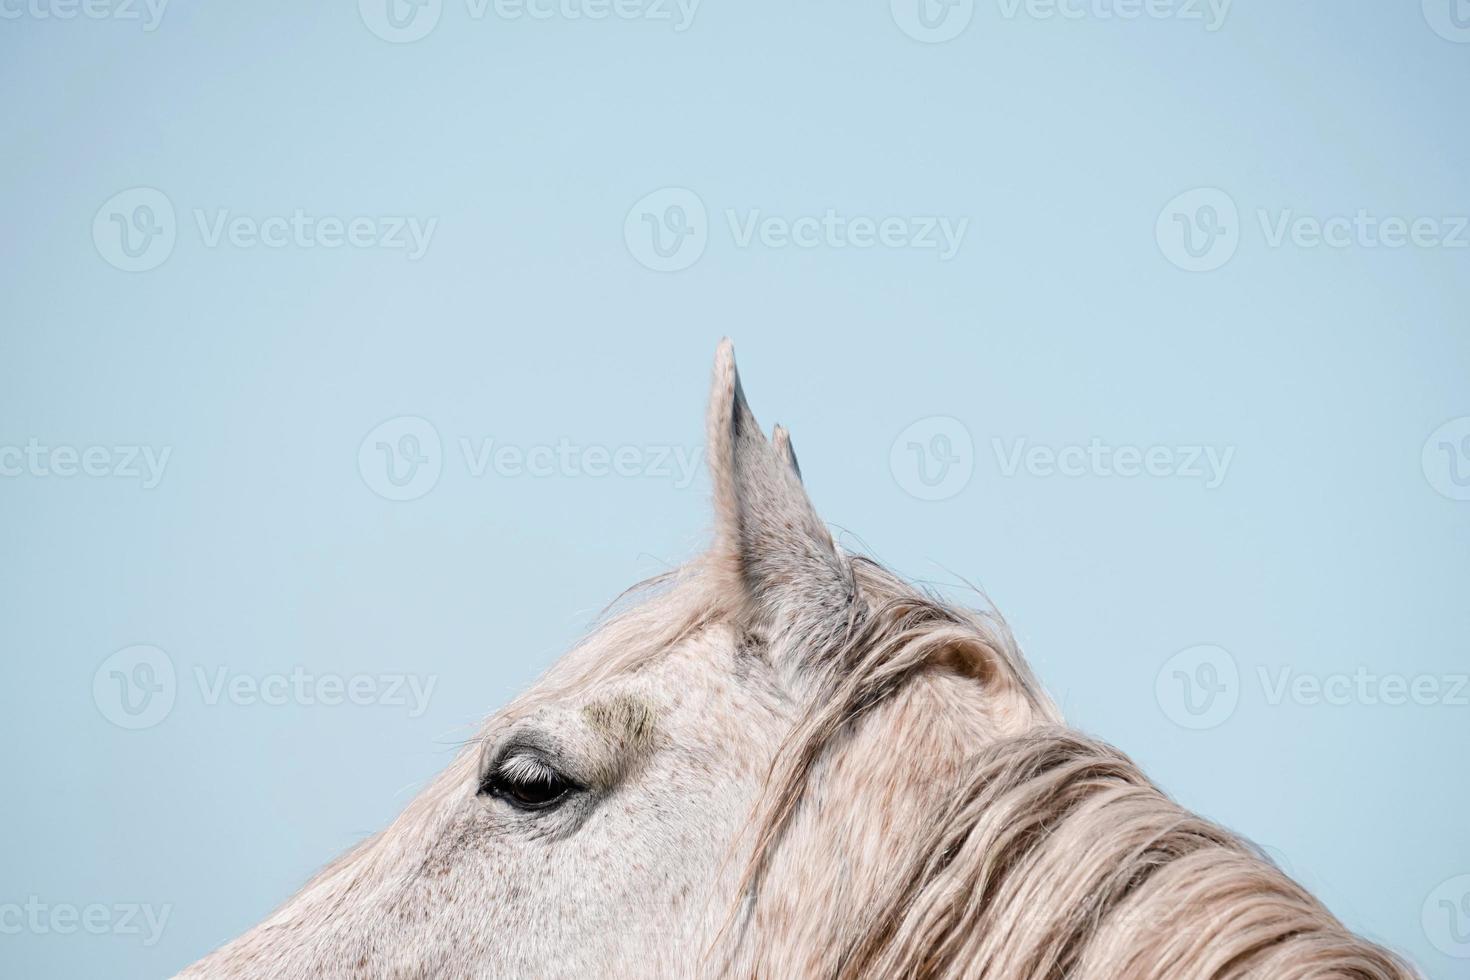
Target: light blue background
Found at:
529, 321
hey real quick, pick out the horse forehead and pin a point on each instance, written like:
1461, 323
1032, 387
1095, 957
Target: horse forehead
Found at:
627, 718
621, 691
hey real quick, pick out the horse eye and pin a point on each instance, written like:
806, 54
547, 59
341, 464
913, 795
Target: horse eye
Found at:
527, 785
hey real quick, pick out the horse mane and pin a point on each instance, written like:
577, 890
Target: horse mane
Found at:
1056, 857
1048, 855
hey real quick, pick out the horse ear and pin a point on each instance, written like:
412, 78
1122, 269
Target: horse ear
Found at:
767, 533
781, 442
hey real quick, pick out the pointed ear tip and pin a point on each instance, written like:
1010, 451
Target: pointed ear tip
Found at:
724, 372
724, 354
727, 409
781, 440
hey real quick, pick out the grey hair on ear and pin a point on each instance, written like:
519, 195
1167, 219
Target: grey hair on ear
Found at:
768, 535
781, 441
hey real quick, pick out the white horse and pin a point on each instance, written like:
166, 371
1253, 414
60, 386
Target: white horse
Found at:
783, 761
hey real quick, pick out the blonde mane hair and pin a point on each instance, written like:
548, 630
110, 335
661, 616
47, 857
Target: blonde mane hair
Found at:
1050, 855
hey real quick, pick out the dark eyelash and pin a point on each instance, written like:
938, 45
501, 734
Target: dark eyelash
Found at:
526, 780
